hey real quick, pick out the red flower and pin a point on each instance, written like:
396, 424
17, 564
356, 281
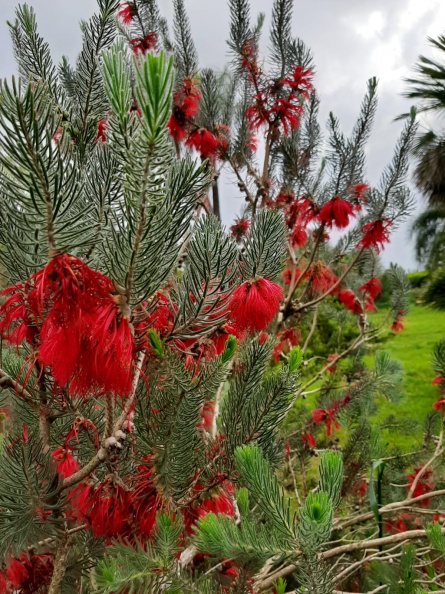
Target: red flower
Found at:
439, 405
397, 325
126, 12
288, 113
101, 126
16, 323
321, 415
375, 235
144, 44
65, 464
107, 510
320, 277
27, 574
309, 439
423, 486
437, 380
349, 300
372, 287
336, 212
176, 126
396, 526
300, 81
239, 228
254, 304
359, 191
288, 338
203, 141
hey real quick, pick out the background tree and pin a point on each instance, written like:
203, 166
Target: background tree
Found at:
427, 88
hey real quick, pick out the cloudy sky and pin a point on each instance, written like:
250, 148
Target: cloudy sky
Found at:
352, 40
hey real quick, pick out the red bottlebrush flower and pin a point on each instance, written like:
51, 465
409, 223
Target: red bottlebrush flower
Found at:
207, 412
3, 584
373, 287
424, 485
16, 324
146, 501
108, 510
288, 338
203, 141
125, 12
375, 235
16, 574
29, 572
188, 98
309, 439
85, 337
300, 81
331, 358
298, 236
57, 135
239, 228
101, 127
320, 277
321, 415
285, 197
219, 502
288, 113
439, 405
348, 299
397, 325
177, 128
254, 304
65, 464
258, 114
396, 526
336, 212
359, 192
437, 380
143, 45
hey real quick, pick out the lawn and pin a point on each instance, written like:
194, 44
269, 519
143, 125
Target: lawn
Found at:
423, 328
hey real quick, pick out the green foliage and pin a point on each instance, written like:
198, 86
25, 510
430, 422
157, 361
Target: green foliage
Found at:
331, 475
256, 474
418, 279
434, 293
315, 521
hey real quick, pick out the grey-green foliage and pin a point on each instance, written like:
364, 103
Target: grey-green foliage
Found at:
211, 270
186, 56
264, 246
31, 52
40, 179
29, 481
171, 418
158, 195
399, 289
256, 402
331, 475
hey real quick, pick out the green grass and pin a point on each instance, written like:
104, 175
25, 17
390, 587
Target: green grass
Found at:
412, 347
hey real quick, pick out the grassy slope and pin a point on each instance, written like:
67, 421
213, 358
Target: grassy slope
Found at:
412, 347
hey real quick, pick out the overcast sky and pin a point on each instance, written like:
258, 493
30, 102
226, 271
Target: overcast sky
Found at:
352, 40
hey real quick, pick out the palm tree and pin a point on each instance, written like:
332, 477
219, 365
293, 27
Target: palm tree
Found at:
429, 89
